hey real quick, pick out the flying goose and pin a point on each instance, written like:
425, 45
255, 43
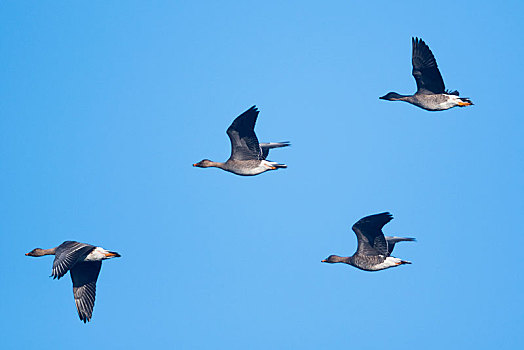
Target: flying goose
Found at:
431, 93
83, 261
248, 156
374, 249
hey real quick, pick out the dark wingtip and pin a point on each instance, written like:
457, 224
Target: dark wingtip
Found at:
84, 318
386, 213
416, 40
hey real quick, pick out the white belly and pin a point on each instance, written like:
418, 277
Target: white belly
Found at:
251, 171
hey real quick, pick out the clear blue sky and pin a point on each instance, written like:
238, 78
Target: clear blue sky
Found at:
105, 105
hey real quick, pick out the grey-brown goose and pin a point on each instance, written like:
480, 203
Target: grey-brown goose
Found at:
374, 249
83, 261
431, 92
248, 156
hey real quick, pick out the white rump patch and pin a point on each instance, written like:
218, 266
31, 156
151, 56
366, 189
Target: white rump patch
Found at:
98, 254
389, 262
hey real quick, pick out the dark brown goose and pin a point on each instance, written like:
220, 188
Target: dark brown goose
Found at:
248, 156
431, 93
374, 249
83, 261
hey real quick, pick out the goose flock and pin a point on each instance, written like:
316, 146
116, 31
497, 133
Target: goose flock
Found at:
248, 158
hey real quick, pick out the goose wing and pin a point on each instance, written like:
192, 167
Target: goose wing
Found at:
84, 276
425, 69
265, 147
67, 255
394, 240
370, 238
244, 142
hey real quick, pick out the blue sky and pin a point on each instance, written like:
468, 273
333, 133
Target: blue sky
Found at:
105, 106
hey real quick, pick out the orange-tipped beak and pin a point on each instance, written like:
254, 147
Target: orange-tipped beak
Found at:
195, 164
463, 104
26, 254
323, 261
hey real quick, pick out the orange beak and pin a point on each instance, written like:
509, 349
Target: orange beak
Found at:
324, 261
26, 254
194, 164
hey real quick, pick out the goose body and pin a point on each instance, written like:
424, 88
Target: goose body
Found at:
431, 93
437, 102
248, 156
83, 261
374, 249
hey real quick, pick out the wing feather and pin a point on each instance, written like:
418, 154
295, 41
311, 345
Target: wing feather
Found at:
67, 255
265, 147
84, 276
244, 142
371, 240
425, 69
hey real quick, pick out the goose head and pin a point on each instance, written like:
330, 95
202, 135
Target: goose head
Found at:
391, 96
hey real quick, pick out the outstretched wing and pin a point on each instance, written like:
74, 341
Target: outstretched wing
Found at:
84, 276
370, 238
394, 240
425, 69
67, 255
265, 147
244, 142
